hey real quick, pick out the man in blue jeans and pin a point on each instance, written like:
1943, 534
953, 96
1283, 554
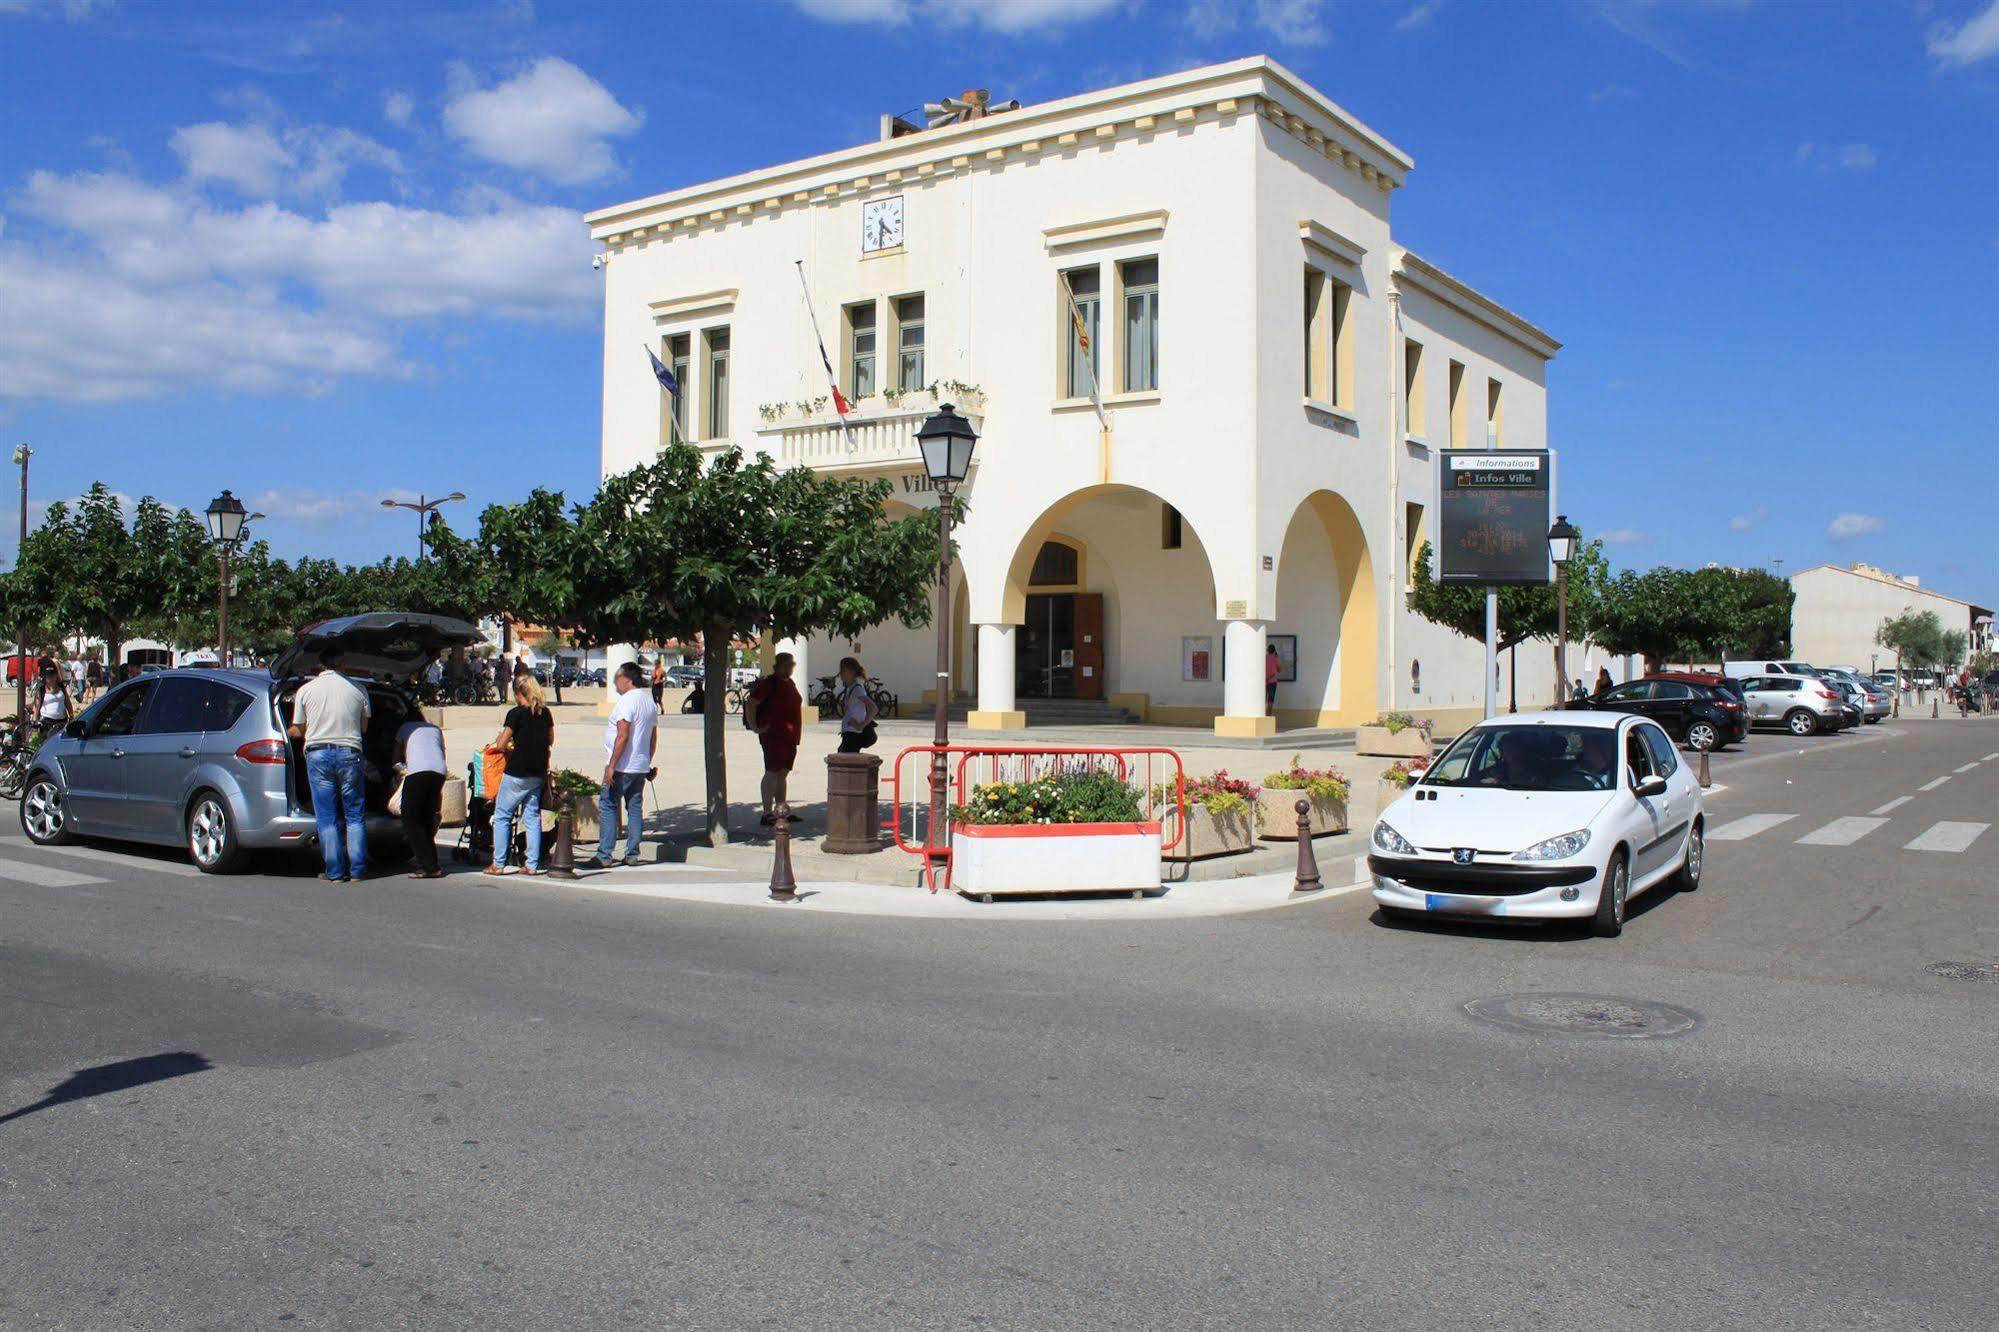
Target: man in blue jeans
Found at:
629, 742
329, 713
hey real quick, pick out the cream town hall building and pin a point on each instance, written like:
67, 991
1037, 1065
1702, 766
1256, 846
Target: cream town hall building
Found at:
1275, 374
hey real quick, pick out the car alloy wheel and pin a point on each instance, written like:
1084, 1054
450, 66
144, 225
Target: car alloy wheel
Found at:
1801, 722
1690, 871
211, 840
43, 817
1702, 735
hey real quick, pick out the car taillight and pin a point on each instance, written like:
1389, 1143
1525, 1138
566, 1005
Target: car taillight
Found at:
262, 751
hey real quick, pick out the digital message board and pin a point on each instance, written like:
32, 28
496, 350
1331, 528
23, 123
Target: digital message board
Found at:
1493, 514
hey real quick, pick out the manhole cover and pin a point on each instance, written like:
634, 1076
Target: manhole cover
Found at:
1604, 1015
1966, 971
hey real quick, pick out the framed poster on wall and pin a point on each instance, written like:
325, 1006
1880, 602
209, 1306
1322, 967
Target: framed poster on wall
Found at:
1197, 655
1287, 656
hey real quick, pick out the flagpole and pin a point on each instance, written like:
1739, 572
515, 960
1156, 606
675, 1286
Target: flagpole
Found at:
805, 291
1090, 355
673, 410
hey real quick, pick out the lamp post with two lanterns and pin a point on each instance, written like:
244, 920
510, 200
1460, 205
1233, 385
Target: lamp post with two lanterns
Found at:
946, 441
226, 520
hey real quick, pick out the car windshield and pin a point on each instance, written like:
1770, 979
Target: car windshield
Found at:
1530, 758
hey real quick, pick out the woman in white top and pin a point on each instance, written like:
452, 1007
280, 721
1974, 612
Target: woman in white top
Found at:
857, 709
52, 711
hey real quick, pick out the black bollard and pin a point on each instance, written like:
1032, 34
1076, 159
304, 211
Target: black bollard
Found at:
1308, 863
783, 887
562, 861
1702, 774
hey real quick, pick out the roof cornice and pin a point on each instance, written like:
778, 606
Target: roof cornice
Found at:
1473, 304
1210, 95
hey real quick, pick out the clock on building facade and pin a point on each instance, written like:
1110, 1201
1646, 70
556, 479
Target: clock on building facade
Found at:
881, 225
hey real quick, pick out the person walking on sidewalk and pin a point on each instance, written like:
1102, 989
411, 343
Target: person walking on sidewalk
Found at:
857, 708
776, 713
420, 750
503, 675
629, 741
329, 712
1273, 666
526, 735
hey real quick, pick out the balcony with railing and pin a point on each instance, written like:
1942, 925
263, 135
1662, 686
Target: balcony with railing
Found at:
876, 435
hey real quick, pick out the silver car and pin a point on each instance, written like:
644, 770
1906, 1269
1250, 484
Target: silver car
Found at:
199, 758
1872, 699
1802, 704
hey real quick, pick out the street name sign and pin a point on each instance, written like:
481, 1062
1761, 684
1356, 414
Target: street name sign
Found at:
1493, 515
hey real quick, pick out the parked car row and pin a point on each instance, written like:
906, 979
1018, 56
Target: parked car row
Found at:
1712, 710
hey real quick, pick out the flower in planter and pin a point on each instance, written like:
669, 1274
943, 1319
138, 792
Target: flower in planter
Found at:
1218, 793
1402, 774
567, 784
1316, 783
1392, 722
1085, 796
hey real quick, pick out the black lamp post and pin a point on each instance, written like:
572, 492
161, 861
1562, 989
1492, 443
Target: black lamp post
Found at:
226, 520
423, 508
946, 440
1562, 539
21, 455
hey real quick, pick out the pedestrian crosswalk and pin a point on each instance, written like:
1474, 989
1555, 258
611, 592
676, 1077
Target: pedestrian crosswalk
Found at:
1948, 836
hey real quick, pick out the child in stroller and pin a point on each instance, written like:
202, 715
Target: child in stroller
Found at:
475, 839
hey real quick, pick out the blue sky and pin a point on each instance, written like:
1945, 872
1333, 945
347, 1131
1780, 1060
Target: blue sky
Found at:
327, 253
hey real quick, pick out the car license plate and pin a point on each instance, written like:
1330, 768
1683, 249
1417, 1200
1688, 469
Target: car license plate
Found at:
1452, 902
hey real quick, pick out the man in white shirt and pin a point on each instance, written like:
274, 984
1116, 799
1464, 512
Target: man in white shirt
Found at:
329, 713
630, 738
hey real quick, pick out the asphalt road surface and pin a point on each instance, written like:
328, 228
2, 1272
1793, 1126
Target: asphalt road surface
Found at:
268, 1100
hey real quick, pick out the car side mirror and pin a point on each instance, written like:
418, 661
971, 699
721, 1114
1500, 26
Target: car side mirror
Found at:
74, 730
1654, 785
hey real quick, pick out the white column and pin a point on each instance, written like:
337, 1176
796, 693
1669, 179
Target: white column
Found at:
996, 711
1243, 712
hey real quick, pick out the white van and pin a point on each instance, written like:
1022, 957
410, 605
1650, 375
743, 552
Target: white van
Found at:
1743, 670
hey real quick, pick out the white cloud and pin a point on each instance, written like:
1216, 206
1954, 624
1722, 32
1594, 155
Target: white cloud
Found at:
1622, 536
1857, 157
1613, 92
1845, 157
323, 508
1845, 526
76, 11
550, 120
1007, 16
1292, 22
1743, 522
248, 157
1975, 39
1420, 15
398, 107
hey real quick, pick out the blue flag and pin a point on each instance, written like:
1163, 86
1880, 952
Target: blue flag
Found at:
662, 374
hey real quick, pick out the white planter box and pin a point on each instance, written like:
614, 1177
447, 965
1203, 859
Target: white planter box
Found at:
990, 860
1379, 741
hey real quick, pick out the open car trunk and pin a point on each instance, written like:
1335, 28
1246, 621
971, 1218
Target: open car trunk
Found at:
388, 708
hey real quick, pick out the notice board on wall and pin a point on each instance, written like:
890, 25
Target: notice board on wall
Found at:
1493, 515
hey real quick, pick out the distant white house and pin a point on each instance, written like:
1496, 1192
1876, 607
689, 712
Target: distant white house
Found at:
1837, 611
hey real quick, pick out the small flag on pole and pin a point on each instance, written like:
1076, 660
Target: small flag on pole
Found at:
662, 374
1089, 357
840, 404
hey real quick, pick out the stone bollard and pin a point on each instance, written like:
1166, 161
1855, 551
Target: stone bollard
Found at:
853, 805
562, 861
1934, 713
1308, 864
1702, 771
783, 887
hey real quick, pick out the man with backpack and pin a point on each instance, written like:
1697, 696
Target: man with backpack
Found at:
775, 712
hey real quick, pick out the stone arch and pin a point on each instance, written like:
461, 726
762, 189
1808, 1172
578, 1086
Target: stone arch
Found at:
1054, 524
1326, 595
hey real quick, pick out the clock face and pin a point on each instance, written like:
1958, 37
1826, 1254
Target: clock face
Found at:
881, 224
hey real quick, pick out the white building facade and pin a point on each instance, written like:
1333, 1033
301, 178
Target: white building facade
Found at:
1836, 612
1276, 375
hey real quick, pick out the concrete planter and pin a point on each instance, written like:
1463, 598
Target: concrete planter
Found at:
451, 802
989, 860
1209, 834
1378, 741
583, 825
1277, 815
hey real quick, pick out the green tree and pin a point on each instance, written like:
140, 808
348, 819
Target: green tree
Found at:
1917, 638
1524, 612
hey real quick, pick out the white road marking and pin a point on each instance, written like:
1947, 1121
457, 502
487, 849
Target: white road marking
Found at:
1746, 827
1931, 786
1947, 836
123, 859
1968, 767
1841, 832
44, 876
1894, 804
1988, 758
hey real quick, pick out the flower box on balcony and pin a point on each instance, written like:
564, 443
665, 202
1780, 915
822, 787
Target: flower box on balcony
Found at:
989, 860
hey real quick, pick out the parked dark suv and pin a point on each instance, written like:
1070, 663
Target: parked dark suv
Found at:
1696, 716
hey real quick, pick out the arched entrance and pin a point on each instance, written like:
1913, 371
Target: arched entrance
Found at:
1326, 599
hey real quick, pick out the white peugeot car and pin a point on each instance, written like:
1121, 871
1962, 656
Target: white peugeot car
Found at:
1546, 816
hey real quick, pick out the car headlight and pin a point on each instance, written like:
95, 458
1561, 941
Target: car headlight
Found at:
1556, 848
1388, 839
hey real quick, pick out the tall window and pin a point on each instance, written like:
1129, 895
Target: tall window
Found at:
909, 342
861, 350
716, 349
1140, 280
1172, 529
1457, 404
678, 361
1080, 364
1412, 388
1412, 540
1328, 349
1493, 416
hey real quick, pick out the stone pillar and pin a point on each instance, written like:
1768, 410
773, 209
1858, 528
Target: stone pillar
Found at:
1242, 686
996, 711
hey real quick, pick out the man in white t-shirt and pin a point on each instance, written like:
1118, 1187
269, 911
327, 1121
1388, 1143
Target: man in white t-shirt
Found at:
630, 738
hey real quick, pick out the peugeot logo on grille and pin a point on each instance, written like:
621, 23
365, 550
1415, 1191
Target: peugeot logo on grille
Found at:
1462, 855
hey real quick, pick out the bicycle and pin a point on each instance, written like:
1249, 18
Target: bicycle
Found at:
17, 748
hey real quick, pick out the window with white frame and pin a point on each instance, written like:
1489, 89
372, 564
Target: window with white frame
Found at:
1139, 279
1328, 348
1081, 316
860, 320
1412, 388
715, 350
909, 342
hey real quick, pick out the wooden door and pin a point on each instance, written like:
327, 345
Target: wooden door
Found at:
1089, 676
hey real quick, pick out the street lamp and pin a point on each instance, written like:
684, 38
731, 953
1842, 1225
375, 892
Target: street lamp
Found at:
21, 455
423, 508
1562, 539
946, 440
226, 520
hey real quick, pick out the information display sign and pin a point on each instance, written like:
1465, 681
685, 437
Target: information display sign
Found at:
1493, 517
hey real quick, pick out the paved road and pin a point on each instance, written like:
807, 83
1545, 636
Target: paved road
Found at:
462, 1104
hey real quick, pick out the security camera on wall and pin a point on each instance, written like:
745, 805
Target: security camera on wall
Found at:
596, 261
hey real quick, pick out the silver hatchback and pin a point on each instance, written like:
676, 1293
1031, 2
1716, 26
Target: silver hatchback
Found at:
200, 758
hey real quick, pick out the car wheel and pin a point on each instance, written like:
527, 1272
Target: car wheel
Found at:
1689, 876
1608, 922
44, 813
211, 835
1801, 721
1702, 735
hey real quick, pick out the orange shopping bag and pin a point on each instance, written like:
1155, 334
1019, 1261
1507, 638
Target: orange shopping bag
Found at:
491, 770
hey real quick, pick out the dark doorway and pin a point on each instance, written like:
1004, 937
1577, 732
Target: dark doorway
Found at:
1044, 651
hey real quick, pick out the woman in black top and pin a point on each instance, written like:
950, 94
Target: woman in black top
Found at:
526, 735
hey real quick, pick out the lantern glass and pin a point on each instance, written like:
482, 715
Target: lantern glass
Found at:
226, 515
1562, 538
946, 441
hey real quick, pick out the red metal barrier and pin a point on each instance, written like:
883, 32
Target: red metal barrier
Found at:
983, 765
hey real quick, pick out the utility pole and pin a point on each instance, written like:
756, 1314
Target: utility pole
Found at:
21, 456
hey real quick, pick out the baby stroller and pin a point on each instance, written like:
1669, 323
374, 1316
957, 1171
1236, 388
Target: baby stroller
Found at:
475, 839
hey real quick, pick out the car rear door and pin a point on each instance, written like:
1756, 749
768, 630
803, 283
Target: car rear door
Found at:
1671, 705
94, 774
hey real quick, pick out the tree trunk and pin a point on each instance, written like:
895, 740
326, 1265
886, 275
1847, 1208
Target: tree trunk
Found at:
715, 686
